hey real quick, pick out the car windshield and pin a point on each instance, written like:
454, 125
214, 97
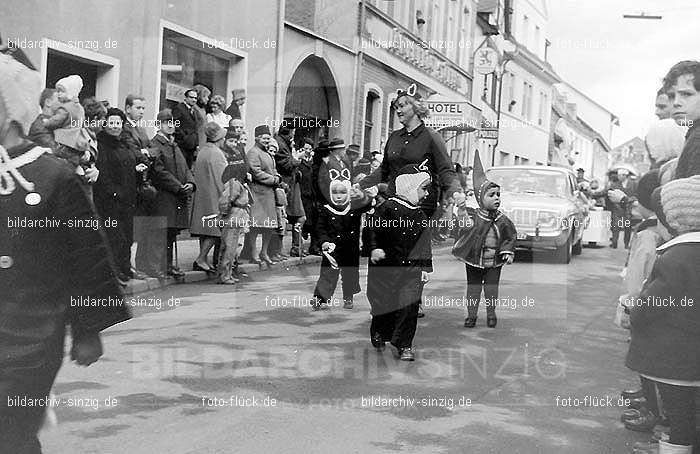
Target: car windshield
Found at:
530, 180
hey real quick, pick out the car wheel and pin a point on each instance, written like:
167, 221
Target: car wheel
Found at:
577, 248
563, 254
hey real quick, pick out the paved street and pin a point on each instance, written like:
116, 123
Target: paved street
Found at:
237, 372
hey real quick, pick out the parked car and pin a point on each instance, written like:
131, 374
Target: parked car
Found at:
549, 211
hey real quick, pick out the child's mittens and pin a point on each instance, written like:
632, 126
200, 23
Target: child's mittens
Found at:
508, 257
424, 277
377, 255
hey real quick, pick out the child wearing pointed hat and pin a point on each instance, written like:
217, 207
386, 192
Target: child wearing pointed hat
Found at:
338, 229
400, 260
486, 242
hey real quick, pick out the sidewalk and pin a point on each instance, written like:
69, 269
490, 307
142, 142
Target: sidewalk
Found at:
187, 251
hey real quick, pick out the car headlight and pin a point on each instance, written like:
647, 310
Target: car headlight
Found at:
547, 220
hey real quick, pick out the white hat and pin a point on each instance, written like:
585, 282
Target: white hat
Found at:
71, 85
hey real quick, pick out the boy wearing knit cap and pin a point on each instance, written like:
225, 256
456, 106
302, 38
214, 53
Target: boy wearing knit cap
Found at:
665, 318
486, 242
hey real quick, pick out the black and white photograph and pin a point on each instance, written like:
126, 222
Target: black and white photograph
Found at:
349, 226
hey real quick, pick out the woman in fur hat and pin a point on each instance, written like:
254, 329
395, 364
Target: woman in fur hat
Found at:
665, 325
486, 243
400, 260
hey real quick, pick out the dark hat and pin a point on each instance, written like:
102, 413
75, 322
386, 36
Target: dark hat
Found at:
237, 170
353, 148
214, 132
580, 169
336, 144
261, 130
165, 115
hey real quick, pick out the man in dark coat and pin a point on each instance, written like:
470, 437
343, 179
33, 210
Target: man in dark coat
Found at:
187, 126
134, 108
55, 269
175, 184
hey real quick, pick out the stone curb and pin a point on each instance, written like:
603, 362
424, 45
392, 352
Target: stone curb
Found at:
135, 286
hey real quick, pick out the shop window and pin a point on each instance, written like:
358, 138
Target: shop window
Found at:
186, 62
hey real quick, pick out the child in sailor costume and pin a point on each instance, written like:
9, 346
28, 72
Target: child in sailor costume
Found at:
338, 232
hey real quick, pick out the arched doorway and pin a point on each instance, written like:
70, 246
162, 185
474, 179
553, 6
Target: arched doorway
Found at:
312, 105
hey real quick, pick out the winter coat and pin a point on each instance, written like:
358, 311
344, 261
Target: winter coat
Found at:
400, 229
233, 206
474, 225
168, 174
137, 135
186, 133
45, 273
422, 144
666, 339
40, 134
115, 189
342, 228
265, 179
210, 165
289, 171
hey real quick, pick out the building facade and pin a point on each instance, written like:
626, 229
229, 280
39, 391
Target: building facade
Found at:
426, 42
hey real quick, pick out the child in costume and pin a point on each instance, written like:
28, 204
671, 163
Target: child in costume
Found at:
234, 218
400, 260
486, 242
338, 230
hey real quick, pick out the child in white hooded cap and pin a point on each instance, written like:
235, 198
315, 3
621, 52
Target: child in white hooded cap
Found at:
69, 113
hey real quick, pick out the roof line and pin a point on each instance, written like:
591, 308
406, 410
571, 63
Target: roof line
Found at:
615, 117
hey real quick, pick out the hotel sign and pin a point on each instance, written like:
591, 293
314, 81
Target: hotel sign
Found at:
452, 115
380, 34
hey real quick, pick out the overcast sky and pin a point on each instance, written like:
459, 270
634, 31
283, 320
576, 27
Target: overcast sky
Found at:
619, 62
